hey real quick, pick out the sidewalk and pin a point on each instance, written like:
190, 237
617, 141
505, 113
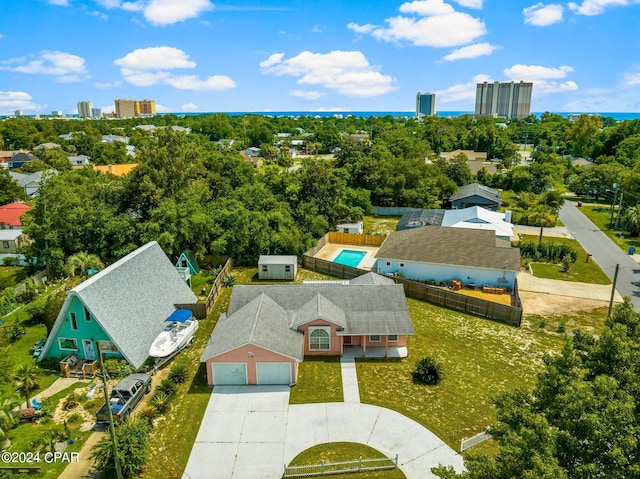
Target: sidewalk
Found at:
349, 380
83, 469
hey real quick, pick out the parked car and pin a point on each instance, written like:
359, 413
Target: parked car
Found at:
125, 396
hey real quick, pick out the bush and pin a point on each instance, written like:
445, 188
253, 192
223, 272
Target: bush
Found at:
428, 371
229, 281
36, 311
167, 386
133, 447
546, 251
75, 418
178, 373
160, 402
567, 262
118, 368
149, 413
10, 261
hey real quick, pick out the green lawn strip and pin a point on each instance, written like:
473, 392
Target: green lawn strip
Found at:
590, 321
11, 276
204, 279
601, 216
26, 437
312, 371
481, 358
375, 224
342, 452
581, 271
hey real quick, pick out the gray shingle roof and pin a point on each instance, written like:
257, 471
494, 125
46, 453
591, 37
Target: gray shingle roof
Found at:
318, 307
477, 189
451, 246
277, 259
130, 300
372, 278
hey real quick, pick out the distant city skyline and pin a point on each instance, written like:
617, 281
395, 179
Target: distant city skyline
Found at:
261, 56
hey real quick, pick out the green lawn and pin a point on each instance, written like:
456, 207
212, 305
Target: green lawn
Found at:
382, 225
582, 271
481, 358
589, 321
11, 276
345, 451
312, 371
601, 216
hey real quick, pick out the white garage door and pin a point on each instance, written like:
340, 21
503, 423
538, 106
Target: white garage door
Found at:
274, 373
225, 374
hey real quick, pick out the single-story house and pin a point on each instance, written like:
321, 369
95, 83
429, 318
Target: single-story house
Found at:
124, 306
117, 170
474, 217
252, 151
439, 253
114, 138
470, 154
272, 266
355, 227
476, 195
11, 242
10, 215
79, 160
30, 183
268, 329
19, 159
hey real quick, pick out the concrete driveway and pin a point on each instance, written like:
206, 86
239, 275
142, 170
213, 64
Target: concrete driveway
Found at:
251, 431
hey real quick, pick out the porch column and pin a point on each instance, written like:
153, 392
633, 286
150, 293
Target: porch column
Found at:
408, 343
364, 346
386, 345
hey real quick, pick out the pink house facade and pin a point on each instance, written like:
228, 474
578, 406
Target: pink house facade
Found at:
268, 329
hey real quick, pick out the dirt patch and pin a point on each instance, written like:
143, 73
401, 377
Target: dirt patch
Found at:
61, 414
544, 304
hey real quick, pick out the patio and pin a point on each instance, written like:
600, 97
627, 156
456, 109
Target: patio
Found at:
375, 352
331, 250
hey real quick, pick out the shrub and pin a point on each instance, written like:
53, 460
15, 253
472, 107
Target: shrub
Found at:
567, 262
542, 324
36, 311
149, 413
160, 402
75, 418
562, 327
178, 373
167, 386
118, 368
10, 261
133, 437
428, 371
71, 401
229, 281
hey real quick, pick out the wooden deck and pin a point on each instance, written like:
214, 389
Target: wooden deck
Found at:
72, 366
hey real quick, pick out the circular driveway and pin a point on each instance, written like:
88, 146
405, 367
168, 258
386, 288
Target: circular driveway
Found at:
252, 431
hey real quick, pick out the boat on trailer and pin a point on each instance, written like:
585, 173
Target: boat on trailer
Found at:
178, 333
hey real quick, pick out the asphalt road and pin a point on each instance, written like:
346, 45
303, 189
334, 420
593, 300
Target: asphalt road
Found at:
605, 252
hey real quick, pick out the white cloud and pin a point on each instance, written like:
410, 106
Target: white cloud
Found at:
439, 26
107, 85
1, 35
471, 51
317, 29
11, 101
631, 80
272, 60
155, 58
541, 15
470, 3
162, 12
596, 7
112, 109
307, 95
541, 76
348, 73
64, 66
162, 108
461, 92
189, 107
333, 108
149, 66
60, 3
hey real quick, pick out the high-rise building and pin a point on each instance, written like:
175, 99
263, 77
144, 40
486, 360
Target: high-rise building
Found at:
145, 107
84, 109
18, 113
425, 104
503, 100
125, 108
96, 112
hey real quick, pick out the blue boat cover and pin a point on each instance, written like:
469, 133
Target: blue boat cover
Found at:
180, 315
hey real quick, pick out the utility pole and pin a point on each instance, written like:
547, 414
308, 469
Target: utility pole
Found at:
619, 210
613, 290
613, 204
112, 430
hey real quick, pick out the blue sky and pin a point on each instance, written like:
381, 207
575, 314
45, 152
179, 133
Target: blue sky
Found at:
316, 55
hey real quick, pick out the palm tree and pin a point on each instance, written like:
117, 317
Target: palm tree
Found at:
631, 220
25, 377
82, 262
7, 419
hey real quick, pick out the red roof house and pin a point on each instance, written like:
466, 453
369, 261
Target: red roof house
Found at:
10, 215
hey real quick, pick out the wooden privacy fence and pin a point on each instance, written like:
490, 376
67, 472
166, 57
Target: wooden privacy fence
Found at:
353, 238
202, 310
345, 467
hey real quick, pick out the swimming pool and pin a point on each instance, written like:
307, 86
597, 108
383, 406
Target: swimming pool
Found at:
349, 257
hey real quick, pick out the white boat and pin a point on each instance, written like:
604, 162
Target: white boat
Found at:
178, 333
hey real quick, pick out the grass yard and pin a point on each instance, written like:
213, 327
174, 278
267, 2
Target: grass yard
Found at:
581, 271
601, 216
11, 276
589, 321
345, 451
481, 359
382, 225
318, 370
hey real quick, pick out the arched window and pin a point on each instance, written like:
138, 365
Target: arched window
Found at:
319, 339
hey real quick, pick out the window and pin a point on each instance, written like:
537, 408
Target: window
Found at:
392, 338
319, 339
87, 314
374, 338
402, 265
265, 268
5, 244
74, 321
388, 263
68, 344
287, 268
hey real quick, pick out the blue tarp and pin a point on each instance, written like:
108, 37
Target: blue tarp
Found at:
180, 315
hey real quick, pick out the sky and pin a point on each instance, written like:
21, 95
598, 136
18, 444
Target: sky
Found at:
316, 55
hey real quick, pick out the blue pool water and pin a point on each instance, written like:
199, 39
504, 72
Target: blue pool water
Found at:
349, 257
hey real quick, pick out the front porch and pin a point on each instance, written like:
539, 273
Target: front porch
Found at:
375, 352
73, 366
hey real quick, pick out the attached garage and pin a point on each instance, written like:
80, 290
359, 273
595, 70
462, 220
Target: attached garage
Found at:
227, 374
274, 373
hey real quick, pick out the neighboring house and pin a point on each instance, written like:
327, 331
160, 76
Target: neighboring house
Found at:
470, 154
48, 146
268, 329
443, 253
19, 159
117, 170
114, 138
124, 305
226, 142
253, 151
79, 160
355, 227
577, 161
30, 183
474, 217
476, 195
277, 267
10, 215
11, 242
187, 265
